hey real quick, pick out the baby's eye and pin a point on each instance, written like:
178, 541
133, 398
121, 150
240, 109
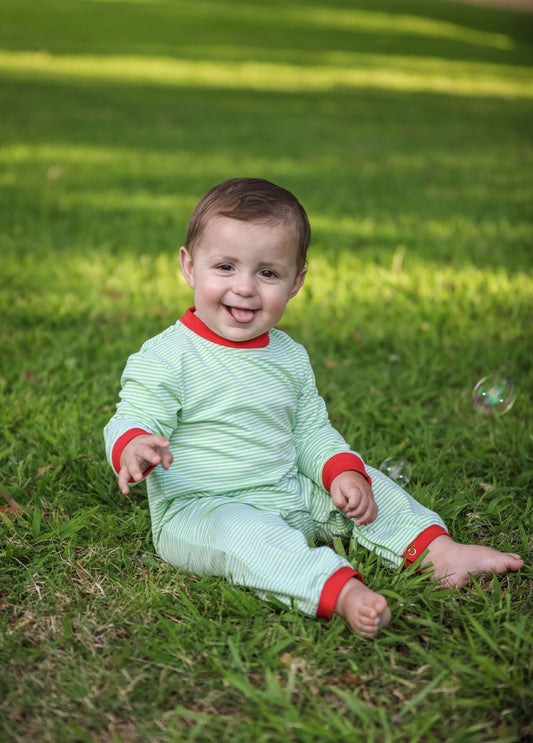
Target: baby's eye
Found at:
267, 273
224, 267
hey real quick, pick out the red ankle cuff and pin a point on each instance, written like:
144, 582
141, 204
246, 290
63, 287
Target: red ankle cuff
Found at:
418, 545
332, 587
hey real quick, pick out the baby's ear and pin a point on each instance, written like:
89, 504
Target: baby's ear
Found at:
298, 282
187, 266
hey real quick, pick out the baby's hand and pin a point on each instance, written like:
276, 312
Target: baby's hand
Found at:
352, 494
139, 455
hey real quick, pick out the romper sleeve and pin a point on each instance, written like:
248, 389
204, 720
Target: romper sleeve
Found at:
322, 453
150, 402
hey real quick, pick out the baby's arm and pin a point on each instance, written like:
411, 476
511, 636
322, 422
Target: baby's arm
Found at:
140, 454
352, 494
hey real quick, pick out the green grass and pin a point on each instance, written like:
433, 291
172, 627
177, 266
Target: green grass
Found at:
405, 130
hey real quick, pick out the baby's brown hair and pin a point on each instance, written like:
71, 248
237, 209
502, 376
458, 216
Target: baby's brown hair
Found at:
251, 200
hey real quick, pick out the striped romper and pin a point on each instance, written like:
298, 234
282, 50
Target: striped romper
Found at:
254, 456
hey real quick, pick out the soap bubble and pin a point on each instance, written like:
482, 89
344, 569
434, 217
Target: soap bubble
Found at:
494, 394
397, 469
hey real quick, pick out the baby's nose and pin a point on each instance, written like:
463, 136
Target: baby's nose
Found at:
244, 284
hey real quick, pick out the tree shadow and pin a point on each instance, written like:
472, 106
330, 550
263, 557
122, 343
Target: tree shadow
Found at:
299, 31
375, 169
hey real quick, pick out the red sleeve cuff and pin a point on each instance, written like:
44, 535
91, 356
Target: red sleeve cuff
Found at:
342, 463
418, 545
332, 587
120, 444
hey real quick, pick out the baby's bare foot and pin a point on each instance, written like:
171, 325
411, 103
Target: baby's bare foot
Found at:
454, 564
365, 611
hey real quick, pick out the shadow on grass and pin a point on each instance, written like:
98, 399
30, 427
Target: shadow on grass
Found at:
295, 31
371, 167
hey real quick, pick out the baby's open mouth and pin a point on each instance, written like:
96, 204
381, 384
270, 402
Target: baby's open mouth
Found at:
240, 314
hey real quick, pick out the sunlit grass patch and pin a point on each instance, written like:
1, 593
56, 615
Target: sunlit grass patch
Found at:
396, 23
365, 71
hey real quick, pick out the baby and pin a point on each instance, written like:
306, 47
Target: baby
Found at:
248, 479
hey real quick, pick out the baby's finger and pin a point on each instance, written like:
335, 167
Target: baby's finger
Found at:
353, 500
137, 473
166, 459
368, 516
160, 441
148, 456
123, 478
354, 513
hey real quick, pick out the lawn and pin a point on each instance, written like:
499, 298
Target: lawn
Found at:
405, 128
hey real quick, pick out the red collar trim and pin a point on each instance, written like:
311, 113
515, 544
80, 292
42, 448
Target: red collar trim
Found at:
193, 322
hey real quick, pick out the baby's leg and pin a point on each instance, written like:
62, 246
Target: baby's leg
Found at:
250, 547
453, 564
402, 522
259, 550
402, 526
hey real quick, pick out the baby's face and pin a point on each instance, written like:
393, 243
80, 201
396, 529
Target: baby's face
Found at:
243, 274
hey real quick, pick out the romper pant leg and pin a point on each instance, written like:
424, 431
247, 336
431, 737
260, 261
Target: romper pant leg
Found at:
250, 547
401, 519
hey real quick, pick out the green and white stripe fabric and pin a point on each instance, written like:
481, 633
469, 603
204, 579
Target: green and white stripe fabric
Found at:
236, 418
250, 437
251, 539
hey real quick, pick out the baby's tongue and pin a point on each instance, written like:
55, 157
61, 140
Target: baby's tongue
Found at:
242, 315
